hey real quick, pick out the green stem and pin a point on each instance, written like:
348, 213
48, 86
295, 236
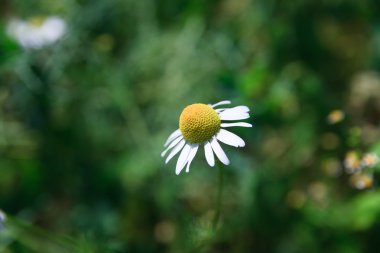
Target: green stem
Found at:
219, 195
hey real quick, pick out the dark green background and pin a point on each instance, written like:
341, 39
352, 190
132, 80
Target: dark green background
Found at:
83, 122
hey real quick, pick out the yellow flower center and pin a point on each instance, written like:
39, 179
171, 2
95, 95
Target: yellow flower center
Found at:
198, 123
36, 21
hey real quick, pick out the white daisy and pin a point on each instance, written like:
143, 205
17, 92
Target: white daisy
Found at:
202, 125
37, 32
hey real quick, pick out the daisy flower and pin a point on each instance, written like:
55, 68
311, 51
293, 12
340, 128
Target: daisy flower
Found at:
37, 32
203, 125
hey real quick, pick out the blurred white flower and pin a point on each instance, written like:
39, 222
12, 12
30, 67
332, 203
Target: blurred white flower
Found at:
2, 219
352, 162
201, 125
361, 181
37, 32
370, 160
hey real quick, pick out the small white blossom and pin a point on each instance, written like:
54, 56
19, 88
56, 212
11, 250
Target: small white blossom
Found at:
370, 160
201, 125
38, 32
2, 219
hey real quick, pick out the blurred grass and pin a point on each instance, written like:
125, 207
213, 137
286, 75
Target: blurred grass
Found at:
83, 121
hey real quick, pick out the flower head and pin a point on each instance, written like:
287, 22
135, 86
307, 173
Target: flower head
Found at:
37, 32
202, 125
361, 181
352, 162
370, 160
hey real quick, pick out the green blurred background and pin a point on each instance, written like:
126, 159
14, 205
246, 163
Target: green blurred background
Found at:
83, 121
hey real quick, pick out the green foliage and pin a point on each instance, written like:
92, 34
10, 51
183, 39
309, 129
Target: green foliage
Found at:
83, 121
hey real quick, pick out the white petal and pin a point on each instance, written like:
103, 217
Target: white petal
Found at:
237, 109
230, 138
240, 124
220, 110
224, 102
219, 151
182, 159
193, 152
175, 150
231, 115
175, 142
174, 135
209, 154
240, 108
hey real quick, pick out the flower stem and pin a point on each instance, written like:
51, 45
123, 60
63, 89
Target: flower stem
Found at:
219, 195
